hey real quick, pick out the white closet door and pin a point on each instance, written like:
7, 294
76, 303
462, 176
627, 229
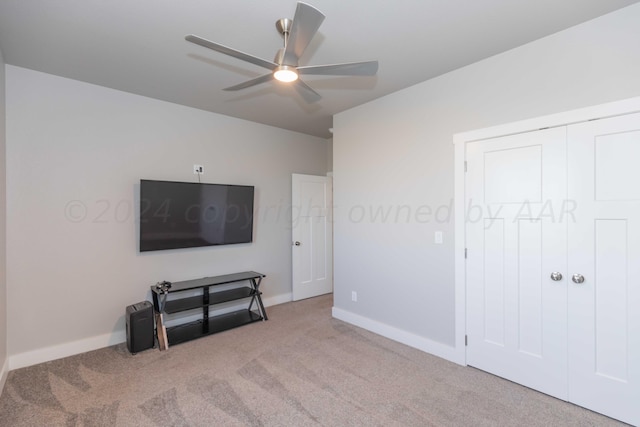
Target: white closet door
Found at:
516, 238
604, 247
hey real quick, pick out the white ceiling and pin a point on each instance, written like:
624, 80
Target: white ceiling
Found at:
138, 46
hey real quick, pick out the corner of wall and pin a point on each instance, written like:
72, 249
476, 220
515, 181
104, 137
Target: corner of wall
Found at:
4, 372
4, 357
330, 154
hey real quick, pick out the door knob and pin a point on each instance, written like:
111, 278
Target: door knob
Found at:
297, 243
577, 278
556, 276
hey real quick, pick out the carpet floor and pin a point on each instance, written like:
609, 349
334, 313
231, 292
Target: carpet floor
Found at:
300, 368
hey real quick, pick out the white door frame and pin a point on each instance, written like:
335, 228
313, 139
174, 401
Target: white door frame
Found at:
314, 286
631, 105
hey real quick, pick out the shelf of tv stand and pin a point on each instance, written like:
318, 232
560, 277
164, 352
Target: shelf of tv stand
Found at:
192, 330
190, 303
171, 303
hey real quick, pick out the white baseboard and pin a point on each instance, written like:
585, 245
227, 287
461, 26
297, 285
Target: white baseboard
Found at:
59, 351
412, 340
277, 299
3, 374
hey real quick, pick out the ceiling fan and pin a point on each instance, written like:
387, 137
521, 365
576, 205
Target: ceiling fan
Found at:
297, 34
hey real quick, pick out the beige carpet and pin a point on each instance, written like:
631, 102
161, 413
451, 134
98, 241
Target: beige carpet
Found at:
300, 368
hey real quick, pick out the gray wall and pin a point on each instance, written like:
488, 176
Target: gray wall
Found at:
394, 156
3, 221
75, 155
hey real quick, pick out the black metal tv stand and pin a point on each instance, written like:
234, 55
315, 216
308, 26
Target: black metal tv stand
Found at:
170, 303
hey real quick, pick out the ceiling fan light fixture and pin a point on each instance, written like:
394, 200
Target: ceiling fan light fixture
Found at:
285, 74
297, 33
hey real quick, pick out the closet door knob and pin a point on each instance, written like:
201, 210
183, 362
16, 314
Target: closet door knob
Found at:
297, 243
556, 276
577, 278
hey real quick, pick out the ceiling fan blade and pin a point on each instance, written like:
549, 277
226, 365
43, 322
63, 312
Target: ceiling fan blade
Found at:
231, 52
262, 79
306, 22
306, 92
368, 68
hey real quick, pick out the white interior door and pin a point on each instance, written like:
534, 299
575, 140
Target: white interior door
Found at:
604, 247
312, 232
516, 238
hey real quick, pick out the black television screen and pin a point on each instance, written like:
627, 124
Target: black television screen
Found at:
185, 215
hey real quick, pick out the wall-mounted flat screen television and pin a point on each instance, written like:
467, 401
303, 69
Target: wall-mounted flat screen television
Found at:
186, 215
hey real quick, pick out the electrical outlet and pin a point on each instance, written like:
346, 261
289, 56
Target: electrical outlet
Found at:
198, 169
354, 296
438, 237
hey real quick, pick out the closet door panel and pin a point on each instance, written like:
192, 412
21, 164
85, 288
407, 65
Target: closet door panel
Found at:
516, 237
604, 249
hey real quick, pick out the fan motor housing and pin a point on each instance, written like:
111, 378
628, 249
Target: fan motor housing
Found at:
284, 26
